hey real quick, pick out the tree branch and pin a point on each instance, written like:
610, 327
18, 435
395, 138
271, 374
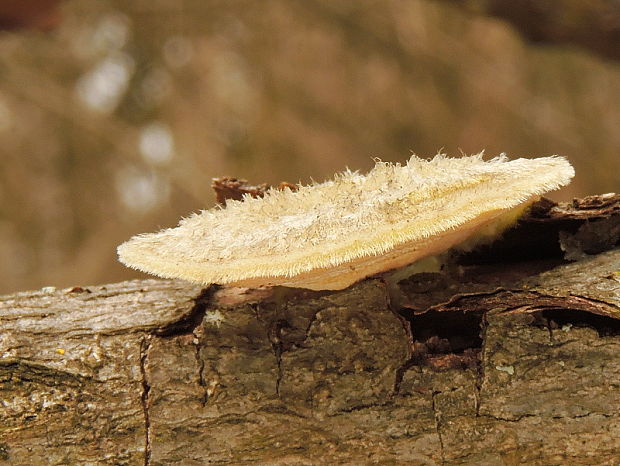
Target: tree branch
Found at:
493, 360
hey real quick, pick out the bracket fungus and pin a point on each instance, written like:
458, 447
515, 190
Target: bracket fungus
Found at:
327, 236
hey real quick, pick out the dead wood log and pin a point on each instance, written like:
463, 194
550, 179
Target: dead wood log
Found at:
508, 356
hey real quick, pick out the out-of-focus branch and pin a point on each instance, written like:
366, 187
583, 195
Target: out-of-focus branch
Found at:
30, 14
594, 25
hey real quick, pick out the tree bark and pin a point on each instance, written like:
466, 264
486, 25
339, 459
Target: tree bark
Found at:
492, 361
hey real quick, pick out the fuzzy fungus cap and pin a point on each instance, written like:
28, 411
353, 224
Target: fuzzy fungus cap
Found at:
327, 236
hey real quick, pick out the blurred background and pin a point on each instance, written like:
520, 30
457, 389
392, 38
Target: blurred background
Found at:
115, 115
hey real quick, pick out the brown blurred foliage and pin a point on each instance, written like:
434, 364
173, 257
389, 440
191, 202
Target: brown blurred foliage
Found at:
115, 122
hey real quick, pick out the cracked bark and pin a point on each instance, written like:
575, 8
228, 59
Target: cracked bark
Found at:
146, 388
438, 427
493, 360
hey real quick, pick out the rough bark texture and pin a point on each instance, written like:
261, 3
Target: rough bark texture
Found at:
234, 188
491, 361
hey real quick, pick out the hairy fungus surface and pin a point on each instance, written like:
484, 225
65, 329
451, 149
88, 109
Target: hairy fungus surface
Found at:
332, 234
